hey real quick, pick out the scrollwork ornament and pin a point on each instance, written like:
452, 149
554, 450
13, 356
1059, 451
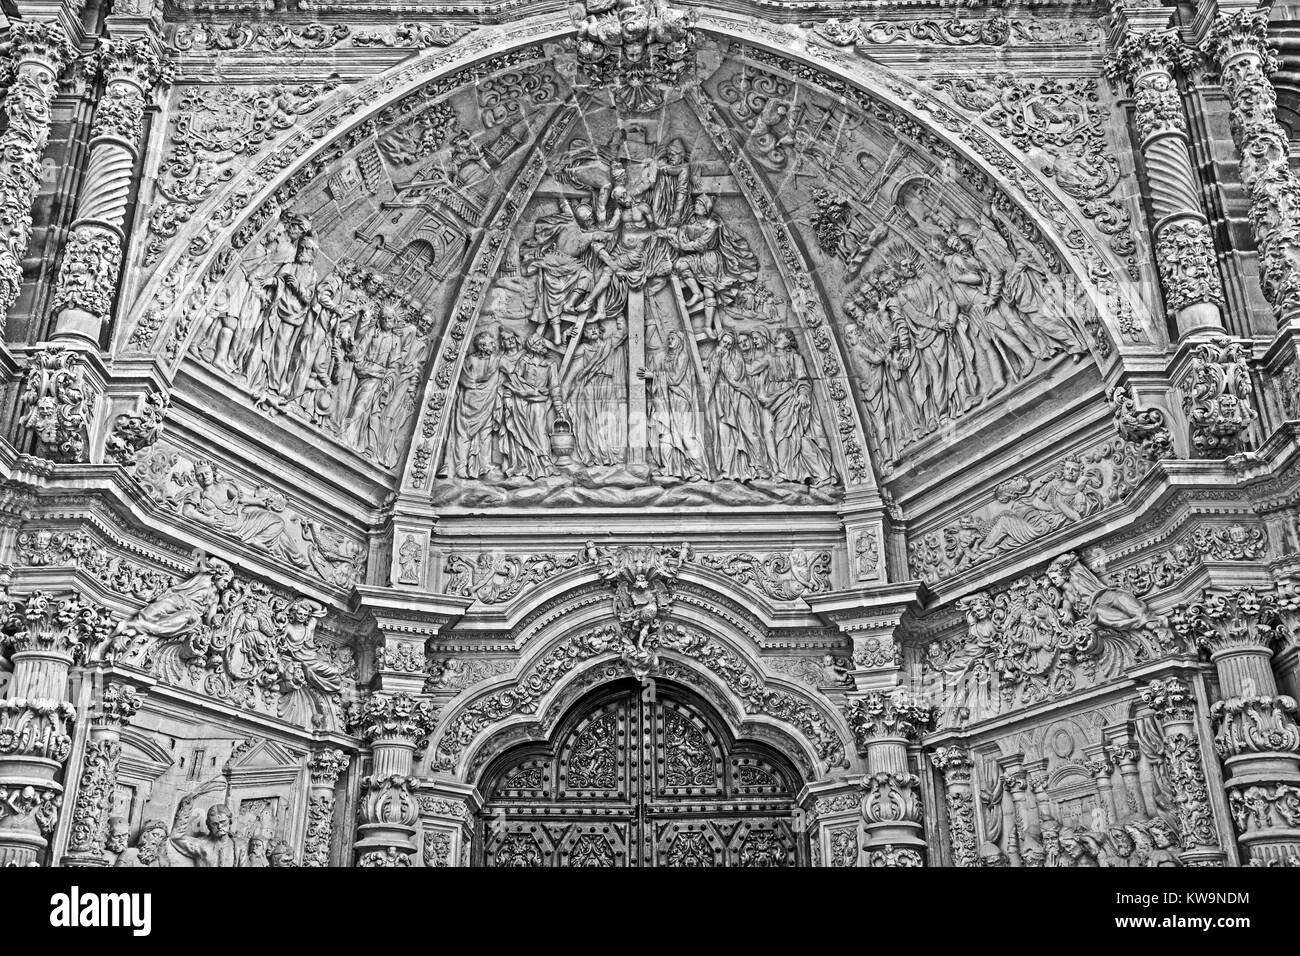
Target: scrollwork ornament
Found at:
895, 714
1217, 398
56, 403
398, 716
1145, 427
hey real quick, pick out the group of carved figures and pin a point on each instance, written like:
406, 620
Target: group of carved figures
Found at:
341, 349
942, 323
236, 641
1040, 639
159, 845
1139, 842
745, 410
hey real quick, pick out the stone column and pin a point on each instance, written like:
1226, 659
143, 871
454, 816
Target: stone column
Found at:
884, 724
956, 766
1256, 736
324, 767
1098, 764
1184, 249
39, 52
1237, 48
1124, 757
391, 724
1174, 706
92, 255
98, 777
1014, 782
36, 717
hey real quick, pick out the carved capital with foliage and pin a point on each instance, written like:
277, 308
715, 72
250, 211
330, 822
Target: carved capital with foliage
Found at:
1255, 725
69, 627
327, 765
898, 713
954, 763
1169, 699
1242, 618
119, 704
391, 716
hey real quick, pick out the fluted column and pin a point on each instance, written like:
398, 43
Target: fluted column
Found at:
39, 52
885, 723
1237, 48
1184, 249
36, 717
956, 766
1175, 707
92, 255
1256, 736
391, 724
98, 778
324, 767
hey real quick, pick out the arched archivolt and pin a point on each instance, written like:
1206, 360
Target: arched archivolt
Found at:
181, 308
631, 778
576, 649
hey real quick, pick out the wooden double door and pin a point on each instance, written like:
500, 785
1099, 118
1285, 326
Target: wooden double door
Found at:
637, 778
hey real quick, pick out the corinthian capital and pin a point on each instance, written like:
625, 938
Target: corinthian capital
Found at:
1241, 32
896, 714
119, 704
1139, 54
326, 765
140, 61
43, 622
954, 763
44, 43
398, 716
1235, 619
1169, 699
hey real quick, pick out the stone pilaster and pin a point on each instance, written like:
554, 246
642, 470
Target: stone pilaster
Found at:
884, 724
957, 767
391, 724
1236, 46
92, 255
325, 766
98, 777
1145, 62
47, 634
833, 818
1256, 736
1174, 706
39, 52
447, 815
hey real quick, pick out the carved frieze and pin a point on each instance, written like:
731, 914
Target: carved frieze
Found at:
198, 490
1027, 507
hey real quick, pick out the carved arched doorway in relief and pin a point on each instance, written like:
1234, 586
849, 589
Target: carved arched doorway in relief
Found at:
639, 776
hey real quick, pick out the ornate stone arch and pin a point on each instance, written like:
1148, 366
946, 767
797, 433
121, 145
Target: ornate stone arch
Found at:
164, 315
577, 647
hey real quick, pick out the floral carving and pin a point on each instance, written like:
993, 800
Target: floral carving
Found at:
1217, 398
56, 403
1144, 427
782, 576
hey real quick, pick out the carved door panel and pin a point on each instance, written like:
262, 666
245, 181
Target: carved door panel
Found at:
631, 780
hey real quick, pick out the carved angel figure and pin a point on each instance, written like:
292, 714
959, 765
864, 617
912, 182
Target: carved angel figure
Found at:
642, 595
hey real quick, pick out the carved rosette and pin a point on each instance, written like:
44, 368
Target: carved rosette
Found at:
325, 767
1174, 706
1145, 63
957, 767
1237, 46
92, 255
1217, 398
40, 53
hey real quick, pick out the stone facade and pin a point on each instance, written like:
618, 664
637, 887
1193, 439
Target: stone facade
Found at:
649, 434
